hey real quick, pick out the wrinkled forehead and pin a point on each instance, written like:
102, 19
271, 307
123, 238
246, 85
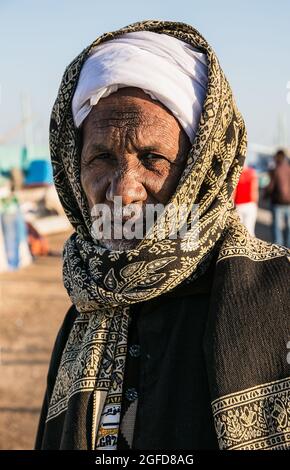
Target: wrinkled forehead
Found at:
129, 107
130, 116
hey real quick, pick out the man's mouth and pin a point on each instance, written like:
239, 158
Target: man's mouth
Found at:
118, 222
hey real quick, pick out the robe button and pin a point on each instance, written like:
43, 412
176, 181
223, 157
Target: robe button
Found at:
131, 394
134, 350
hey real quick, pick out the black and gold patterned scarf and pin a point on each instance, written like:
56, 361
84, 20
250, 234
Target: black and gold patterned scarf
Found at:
103, 284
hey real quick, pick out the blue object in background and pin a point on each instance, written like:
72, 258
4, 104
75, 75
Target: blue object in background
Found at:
10, 224
14, 233
39, 172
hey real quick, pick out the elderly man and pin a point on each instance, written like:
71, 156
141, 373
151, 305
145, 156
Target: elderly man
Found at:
164, 347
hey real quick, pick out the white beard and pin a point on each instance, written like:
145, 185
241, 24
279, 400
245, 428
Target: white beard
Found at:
123, 243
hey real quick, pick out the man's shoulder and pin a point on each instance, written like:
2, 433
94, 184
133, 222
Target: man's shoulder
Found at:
242, 244
253, 266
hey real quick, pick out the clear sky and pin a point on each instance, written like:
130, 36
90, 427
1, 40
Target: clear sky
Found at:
251, 38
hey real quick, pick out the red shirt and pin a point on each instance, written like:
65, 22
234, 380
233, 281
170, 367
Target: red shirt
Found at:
244, 188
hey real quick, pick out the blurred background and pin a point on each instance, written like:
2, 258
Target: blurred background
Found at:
37, 41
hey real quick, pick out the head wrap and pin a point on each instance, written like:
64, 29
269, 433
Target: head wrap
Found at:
103, 284
166, 68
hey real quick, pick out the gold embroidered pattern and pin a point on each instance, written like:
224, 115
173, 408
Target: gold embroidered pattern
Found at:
91, 359
254, 419
240, 243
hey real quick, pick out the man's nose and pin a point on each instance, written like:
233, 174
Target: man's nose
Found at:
127, 186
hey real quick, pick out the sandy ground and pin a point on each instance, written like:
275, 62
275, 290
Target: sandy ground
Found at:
33, 303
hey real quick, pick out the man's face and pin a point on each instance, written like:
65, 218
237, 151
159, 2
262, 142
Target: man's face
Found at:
133, 148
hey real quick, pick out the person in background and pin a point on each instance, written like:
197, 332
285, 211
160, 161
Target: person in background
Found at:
246, 198
278, 190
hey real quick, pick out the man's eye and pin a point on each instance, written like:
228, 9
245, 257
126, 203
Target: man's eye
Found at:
93, 158
102, 156
152, 156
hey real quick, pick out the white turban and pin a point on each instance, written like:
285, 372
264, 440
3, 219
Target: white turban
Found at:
168, 69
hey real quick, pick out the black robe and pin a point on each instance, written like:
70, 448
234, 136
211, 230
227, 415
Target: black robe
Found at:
206, 365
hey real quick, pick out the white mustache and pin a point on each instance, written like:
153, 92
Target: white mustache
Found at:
122, 214
129, 211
